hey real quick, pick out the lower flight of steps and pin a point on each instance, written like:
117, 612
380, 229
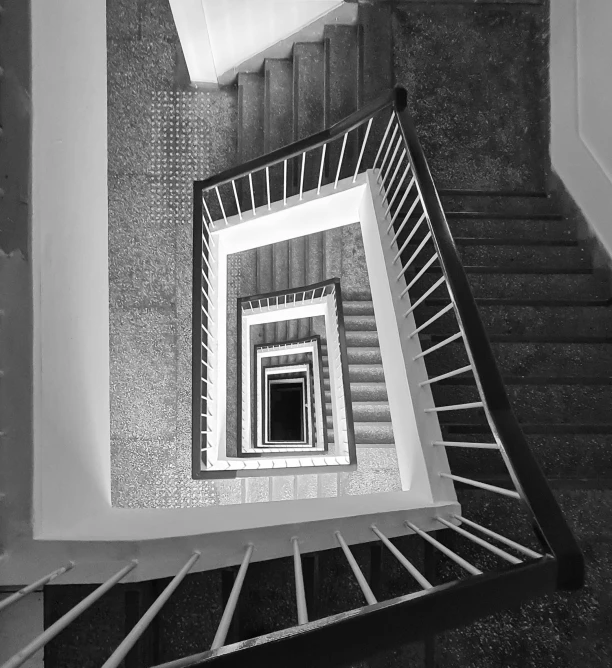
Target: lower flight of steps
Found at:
550, 325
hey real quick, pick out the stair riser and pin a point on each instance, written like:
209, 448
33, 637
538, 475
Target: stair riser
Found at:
363, 323
583, 404
532, 359
526, 286
573, 455
365, 412
557, 258
361, 339
528, 321
361, 373
358, 308
361, 355
516, 205
364, 392
365, 433
528, 230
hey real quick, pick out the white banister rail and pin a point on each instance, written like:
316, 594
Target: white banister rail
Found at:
228, 613
29, 650
139, 628
363, 584
17, 596
302, 611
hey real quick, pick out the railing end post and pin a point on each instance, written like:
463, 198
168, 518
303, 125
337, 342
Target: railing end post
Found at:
401, 98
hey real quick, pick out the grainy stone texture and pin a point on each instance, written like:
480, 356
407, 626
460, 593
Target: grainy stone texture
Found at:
559, 630
476, 77
161, 137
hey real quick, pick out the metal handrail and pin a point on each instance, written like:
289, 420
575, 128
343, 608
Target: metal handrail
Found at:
524, 470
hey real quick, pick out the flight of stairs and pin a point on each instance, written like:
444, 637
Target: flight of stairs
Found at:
371, 414
550, 325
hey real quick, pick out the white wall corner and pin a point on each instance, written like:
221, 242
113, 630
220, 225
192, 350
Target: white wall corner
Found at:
192, 28
581, 108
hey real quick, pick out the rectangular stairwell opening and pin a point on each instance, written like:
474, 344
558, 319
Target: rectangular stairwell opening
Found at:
286, 402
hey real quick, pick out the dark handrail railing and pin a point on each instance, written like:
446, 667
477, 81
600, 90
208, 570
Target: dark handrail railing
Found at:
523, 467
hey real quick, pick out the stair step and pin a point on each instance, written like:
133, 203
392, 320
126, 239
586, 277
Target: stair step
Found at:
376, 62
572, 455
356, 323
529, 203
308, 106
251, 129
341, 84
356, 294
361, 373
365, 354
525, 359
516, 286
571, 403
369, 432
366, 411
527, 321
358, 308
540, 230
361, 339
502, 255
363, 391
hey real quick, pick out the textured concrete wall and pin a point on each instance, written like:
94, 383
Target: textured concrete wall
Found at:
161, 136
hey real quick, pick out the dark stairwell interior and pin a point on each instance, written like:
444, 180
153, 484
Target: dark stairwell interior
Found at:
477, 81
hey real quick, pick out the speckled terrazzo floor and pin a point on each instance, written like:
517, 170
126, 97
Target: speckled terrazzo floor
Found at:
161, 137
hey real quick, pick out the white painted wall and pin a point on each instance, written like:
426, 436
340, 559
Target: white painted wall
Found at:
70, 263
581, 107
218, 35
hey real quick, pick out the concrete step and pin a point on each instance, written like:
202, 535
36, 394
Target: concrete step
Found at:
362, 391
518, 286
361, 339
341, 83
560, 455
366, 411
357, 308
375, 66
308, 107
369, 432
361, 373
546, 403
502, 255
360, 354
357, 294
532, 359
537, 321
513, 228
356, 323
251, 130
479, 201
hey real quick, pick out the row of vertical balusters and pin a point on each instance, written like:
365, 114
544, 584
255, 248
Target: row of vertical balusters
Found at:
218, 206
404, 220
114, 661
207, 340
222, 203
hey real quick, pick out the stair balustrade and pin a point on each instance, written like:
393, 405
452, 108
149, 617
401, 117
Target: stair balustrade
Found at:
523, 572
